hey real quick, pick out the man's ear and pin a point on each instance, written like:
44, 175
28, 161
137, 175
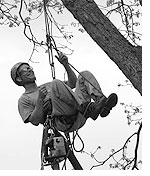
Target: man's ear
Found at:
18, 79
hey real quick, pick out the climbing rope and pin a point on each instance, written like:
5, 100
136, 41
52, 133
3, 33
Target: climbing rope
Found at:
51, 44
48, 40
71, 146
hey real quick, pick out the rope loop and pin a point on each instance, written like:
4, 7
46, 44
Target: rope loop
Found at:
73, 145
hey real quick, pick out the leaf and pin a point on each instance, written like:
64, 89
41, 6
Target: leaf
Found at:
1, 16
81, 30
109, 2
16, 1
15, 17
139, 162
125, 111
99, 147
110, 165
11, 25
112, 150
92, 155
27, 19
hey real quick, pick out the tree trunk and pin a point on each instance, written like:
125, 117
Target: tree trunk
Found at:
126, 56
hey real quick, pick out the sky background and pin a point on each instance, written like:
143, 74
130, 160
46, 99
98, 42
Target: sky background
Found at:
21, 143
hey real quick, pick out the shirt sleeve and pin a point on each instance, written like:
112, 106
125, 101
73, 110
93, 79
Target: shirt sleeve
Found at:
25, 108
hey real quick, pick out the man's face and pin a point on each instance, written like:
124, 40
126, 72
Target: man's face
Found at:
26, 74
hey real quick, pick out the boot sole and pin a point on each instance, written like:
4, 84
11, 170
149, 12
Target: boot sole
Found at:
110, 103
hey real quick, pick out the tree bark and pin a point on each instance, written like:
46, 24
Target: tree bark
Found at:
126, 56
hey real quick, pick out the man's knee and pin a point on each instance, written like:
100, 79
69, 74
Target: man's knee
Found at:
85, 72
59, 87
56, 82
56, 87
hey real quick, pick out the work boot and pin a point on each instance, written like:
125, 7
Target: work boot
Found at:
93, 109
101, 107
109, 104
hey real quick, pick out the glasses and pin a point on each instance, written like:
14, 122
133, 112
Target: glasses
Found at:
26, 69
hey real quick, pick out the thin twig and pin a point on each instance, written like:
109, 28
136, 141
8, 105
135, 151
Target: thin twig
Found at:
124, 146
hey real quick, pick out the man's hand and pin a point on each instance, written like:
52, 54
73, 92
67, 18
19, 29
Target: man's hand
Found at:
63, 59
37, 115
42, 93
71, 75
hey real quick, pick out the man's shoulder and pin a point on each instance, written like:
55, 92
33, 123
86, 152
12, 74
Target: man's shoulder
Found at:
47, 85
23, 98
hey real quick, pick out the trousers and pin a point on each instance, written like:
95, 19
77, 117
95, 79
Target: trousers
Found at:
66, 101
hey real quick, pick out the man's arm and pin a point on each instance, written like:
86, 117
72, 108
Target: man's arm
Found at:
37, 115
72, 79
71, 75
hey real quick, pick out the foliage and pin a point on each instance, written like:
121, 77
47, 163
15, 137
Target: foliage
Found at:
130, 16
7, 16
129, 12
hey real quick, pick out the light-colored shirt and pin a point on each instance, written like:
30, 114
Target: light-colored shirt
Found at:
27, 102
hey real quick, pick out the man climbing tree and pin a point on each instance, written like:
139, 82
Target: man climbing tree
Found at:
69, 110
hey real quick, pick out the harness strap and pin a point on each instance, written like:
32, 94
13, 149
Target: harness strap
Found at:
67, 120
43, 148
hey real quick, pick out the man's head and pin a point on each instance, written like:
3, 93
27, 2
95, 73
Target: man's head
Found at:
22, 73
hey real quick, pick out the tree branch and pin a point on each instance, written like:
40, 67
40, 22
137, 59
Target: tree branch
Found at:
136, 147
122, 149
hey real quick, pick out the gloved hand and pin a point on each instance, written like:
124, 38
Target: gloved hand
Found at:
63, 59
